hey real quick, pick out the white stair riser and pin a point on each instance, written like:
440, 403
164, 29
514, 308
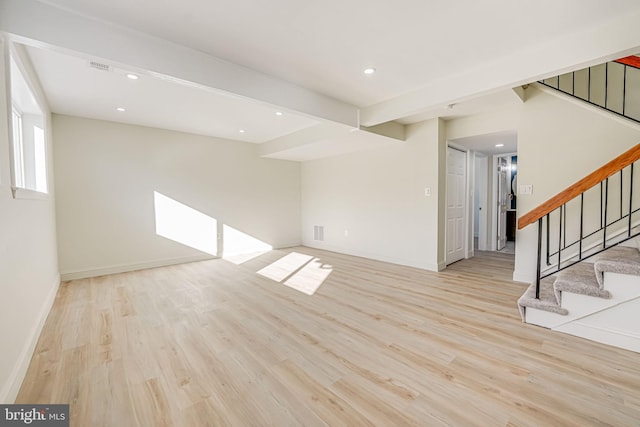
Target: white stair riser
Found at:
614, 321
621, 328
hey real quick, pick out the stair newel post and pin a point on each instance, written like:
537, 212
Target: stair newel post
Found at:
539, 258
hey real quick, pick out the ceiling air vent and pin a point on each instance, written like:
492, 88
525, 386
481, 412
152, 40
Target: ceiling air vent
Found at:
100, 66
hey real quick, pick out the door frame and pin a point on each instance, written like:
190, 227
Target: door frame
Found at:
493, 227
481, 186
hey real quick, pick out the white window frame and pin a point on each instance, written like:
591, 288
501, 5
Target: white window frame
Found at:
27, 182
18, 155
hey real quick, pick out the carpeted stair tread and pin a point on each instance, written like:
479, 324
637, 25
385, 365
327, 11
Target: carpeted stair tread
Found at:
620, 259
547, 301
579, 279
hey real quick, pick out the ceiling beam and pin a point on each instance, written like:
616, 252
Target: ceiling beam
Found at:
303, 137
45, 26
609, 41
330, 139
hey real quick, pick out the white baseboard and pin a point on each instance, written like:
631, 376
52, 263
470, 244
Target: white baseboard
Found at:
123, 268
363, 254
602, 335
103, 271
526, 278
288, 246
10, 390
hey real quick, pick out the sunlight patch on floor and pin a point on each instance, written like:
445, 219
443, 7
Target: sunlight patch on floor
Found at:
298, 271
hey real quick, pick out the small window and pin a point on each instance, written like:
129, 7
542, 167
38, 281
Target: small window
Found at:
28, 141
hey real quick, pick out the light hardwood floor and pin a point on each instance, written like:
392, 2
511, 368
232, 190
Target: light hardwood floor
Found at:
215, 344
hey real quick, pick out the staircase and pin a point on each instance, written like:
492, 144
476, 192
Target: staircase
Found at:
588, 267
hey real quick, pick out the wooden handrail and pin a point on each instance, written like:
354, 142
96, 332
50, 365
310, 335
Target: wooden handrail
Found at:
633, 61
595, 177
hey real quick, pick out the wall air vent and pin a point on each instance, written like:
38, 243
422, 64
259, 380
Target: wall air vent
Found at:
318, 232
99, 66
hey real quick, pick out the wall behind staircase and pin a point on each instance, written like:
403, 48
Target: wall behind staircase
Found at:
561, 140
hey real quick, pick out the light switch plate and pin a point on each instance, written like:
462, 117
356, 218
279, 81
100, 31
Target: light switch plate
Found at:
525, 189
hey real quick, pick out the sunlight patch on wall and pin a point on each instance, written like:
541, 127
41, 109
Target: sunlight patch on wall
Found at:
183, 224
239, 247
301, 272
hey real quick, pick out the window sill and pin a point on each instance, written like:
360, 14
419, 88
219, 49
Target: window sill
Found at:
24, 193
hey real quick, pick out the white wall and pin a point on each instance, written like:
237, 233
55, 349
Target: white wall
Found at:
106, 176
560, 141
28, 260
378, 198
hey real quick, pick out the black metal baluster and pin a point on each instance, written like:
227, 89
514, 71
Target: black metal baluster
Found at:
589, 86
539, 258
606, 204
560, 236
624, 89
630, 197
606, 84
564, 240
621, 176
548, 243
601, 195
581, 224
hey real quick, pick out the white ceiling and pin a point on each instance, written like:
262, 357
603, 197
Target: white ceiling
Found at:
487, 144
325, 45
215, 67
73, 87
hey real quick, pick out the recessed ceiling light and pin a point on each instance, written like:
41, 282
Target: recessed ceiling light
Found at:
369, 70
499, 145
241, 130
132, 76
120, 109
278, 113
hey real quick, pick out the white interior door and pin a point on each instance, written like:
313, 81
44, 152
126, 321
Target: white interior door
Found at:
456, 204
503, 201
